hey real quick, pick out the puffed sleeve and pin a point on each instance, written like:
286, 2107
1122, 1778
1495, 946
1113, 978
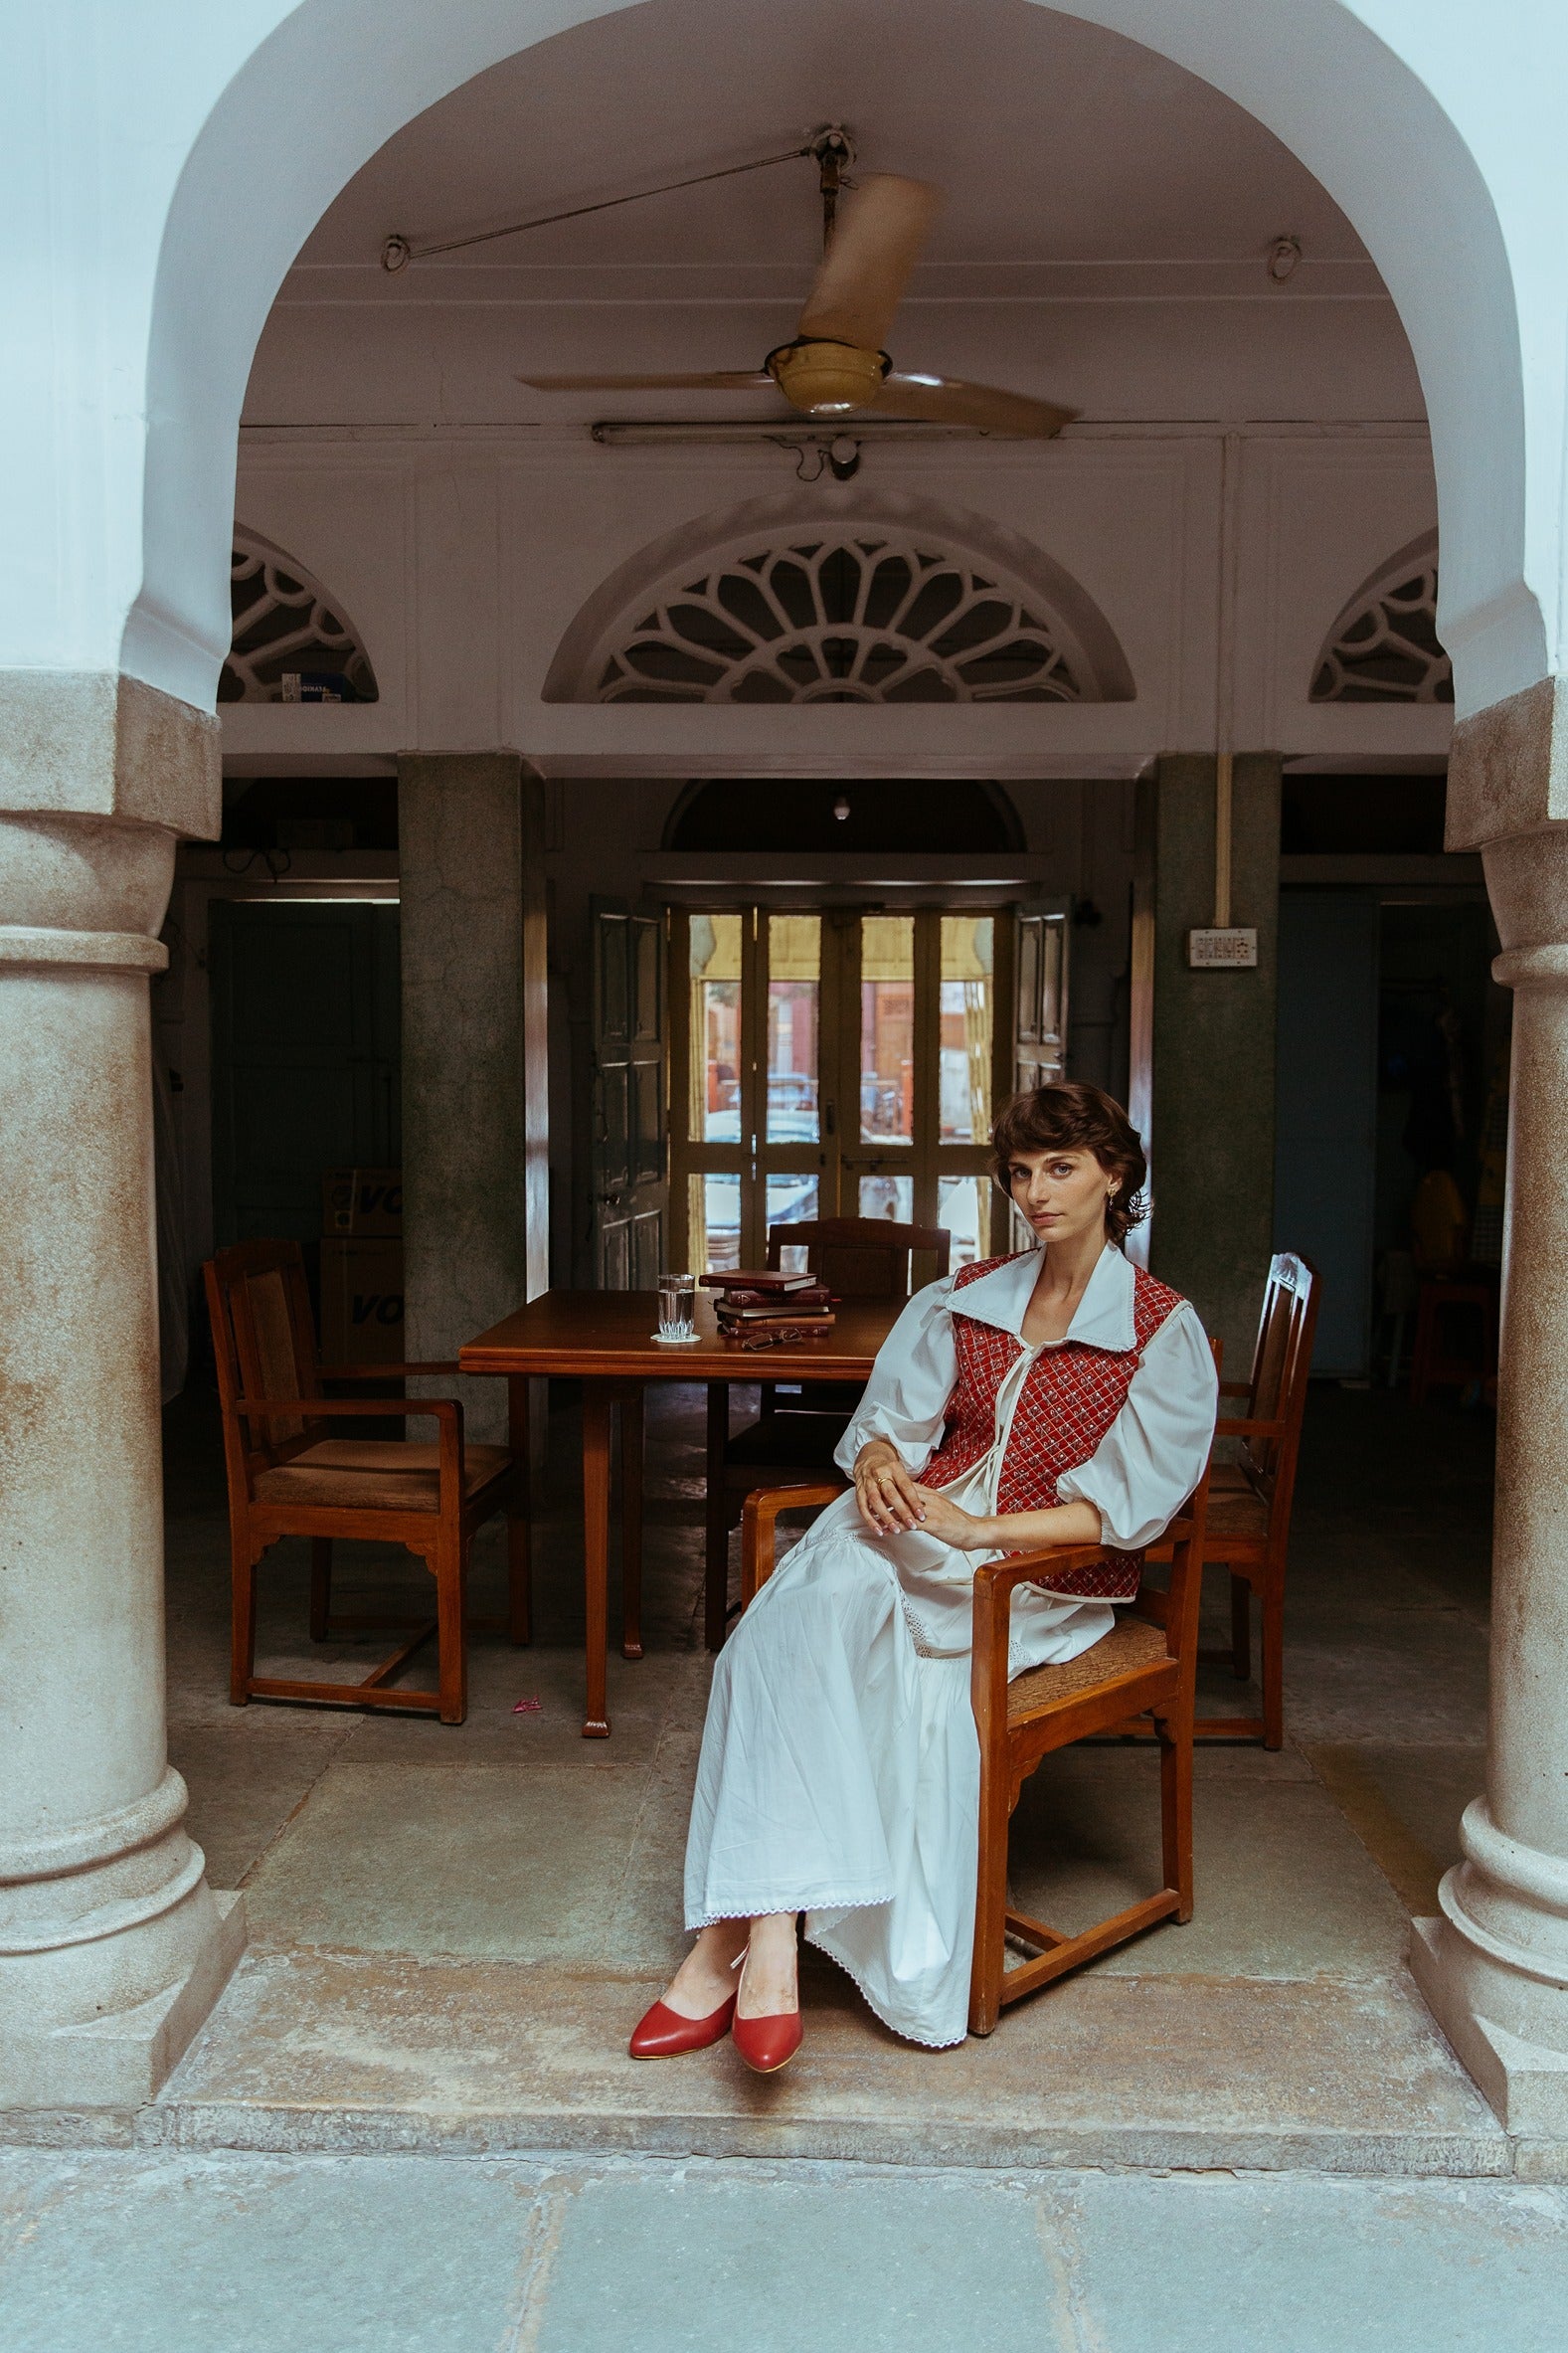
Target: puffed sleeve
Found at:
1152, 1455
905, 1397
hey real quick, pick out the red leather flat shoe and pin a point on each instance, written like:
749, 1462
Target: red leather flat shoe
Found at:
662, 2033
768, 2044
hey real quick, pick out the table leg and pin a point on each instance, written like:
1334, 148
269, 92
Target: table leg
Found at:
597, 1397
632, 1523
716, 1588
519, 1513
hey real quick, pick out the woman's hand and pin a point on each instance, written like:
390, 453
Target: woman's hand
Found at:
943, 1519
885, 1493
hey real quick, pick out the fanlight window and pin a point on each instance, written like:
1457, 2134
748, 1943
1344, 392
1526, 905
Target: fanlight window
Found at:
1385, 647
290, 643
834, 620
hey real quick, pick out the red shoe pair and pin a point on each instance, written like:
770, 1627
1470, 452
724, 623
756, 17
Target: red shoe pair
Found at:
765, 2044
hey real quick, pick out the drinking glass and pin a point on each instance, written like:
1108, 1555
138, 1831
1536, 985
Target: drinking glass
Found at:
677, 1308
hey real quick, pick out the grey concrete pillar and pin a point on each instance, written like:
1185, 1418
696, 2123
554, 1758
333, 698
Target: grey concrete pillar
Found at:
113, 1947
1495, 1965
1203, 1087
475, 1149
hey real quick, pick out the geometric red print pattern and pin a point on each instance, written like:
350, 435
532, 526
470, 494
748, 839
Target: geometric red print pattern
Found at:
1071, 1396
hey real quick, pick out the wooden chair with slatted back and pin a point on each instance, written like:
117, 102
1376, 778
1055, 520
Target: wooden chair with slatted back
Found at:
1249, 1518
1145, 1668
794, 1436
289, 1476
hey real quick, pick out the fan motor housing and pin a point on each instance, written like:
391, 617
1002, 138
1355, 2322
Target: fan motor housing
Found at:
824, 379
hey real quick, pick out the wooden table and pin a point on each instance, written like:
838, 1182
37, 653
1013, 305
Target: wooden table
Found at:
604, 1339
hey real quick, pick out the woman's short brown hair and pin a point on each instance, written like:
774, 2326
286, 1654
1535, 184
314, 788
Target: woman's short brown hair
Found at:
1071, 1117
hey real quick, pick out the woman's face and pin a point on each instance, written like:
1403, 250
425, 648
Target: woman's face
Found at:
1063, 1195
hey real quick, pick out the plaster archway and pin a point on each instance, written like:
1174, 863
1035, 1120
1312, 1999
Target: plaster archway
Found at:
345, 75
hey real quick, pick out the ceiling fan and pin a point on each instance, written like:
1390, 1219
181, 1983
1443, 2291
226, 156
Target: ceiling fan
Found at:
835, 366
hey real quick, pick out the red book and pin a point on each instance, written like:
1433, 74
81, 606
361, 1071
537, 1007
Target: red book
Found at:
758, 1278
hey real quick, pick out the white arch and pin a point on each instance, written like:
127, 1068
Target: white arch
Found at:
345, 75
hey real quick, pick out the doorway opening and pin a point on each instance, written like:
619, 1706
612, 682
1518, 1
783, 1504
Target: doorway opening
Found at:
845, 1061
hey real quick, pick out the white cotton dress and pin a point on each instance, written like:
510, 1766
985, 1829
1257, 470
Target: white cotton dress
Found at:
839, 1773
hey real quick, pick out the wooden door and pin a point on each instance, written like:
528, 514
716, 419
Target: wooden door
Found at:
630, 1187
305, 1044
1040, 993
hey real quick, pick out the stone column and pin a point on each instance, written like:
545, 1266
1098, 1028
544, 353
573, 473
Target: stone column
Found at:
113, 1947
1494, 1966
475, 1149
1202, 1082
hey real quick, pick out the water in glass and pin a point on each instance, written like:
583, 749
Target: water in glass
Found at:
677, 1307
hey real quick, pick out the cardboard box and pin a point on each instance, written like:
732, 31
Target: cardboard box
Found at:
361, 1301
362, 1202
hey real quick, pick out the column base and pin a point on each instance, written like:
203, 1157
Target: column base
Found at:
122, 2060
1526, 2081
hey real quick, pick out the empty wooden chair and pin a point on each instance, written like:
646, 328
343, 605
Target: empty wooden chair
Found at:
1145, 1668
1249, 1515
793, 1437
289, 1475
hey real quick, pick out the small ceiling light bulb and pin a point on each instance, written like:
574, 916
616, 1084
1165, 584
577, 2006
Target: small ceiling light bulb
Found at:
1283, 254
841, 807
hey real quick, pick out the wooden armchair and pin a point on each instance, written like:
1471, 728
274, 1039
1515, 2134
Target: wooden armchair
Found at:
289, 1476
1249, 1518
1146, 1666
793, 1437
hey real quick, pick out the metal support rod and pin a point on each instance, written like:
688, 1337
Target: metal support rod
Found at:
1222, 841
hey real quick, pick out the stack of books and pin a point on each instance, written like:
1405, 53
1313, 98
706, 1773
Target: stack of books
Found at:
758, 1303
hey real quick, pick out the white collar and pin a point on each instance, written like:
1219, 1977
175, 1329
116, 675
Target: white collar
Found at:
1104, 1317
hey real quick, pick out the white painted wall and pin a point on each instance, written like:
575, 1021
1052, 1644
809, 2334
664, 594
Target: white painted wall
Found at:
163, 165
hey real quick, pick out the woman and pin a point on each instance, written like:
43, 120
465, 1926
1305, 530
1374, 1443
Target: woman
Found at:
1060, 1396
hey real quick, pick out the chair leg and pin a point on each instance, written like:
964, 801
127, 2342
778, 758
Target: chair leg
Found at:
716, 1588
990, 1900
1273, 1647
1176, 1804
320, 1587
519, 1518
631, 1524
451, 1633
1240, 1628
241, 1650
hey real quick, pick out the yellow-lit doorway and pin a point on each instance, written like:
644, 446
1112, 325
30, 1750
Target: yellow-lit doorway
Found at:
844, 1062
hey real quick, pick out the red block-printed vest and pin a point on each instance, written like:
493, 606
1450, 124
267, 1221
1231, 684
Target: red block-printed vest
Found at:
1069, 1397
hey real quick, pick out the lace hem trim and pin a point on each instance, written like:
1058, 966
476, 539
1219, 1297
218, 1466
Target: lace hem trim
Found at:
926, 2041
762, 1911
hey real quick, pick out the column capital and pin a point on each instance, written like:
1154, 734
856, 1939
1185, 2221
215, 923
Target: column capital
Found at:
92, 743
1508, 768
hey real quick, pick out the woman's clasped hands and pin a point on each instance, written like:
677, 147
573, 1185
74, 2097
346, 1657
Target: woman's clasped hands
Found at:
891, 1500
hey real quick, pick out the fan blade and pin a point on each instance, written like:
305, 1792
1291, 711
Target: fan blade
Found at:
704, 380
880, 230
945, 400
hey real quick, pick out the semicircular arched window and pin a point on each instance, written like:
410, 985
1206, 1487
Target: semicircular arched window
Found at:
291, 642
1385, 647
830, 618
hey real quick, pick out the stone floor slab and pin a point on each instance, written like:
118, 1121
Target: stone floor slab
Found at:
647, 2262
340, 2051
256, 2255
478, 1860
1302, 2266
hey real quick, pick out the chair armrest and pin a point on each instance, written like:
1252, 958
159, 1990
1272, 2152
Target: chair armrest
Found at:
446, 1411
996, 1582
759, 1528
384, 1372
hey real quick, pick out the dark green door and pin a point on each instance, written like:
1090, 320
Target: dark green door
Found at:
305, 1057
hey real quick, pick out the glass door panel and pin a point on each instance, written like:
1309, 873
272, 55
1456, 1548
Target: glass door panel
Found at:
969, 1027
794, 987
965, 1207
716, 946
887, 1197
886, 1029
